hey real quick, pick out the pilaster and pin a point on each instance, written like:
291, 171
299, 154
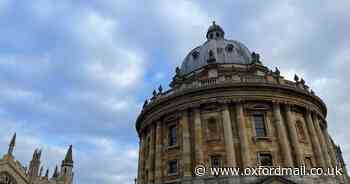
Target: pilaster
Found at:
229, 145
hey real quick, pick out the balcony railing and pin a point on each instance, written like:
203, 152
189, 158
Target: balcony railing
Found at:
217, 81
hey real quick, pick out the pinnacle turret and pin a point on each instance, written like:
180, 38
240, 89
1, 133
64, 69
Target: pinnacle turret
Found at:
12, 145
68, 160
55, 173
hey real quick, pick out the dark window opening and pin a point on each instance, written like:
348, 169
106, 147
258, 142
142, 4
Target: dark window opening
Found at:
172, 167
308, 162
259, 122
265, 159
229, 48
215, 161
172, 135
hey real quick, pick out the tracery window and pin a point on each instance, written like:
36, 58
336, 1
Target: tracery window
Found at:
7, 179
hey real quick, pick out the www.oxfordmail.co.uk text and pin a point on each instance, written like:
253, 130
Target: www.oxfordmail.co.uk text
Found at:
201, 170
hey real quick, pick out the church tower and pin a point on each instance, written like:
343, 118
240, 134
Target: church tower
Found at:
34, 166
67, 167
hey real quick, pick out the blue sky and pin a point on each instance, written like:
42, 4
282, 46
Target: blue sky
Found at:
77, 72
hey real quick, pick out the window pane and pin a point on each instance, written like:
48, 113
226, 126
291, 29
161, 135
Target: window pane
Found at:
215, 161
265, 159
172, 167
172, 135
259, 122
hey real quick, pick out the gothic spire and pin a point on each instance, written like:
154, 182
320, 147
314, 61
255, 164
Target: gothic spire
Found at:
68, 160
47, 173
41, 171
55, 173
12, 145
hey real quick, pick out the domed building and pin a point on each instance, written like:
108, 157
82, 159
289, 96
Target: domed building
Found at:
226, 109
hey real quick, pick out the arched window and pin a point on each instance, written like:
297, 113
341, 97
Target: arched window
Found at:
5, 178
195, 54
300, 130
229, 48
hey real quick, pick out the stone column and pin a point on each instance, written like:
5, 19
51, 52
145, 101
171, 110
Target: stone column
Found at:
242, 132
282, 136
159, 150
294, 136
186, 144
151, 158
198, 136
230, 152
314, 140
323, 144
330, 148
140, 165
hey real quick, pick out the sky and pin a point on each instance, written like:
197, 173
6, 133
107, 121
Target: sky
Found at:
77, 72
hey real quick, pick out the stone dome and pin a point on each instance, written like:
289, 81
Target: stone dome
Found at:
216, 49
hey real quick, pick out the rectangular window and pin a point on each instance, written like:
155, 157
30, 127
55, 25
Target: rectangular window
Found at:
172, 167
308, 162
265, 159
259, 122
172, 135
215, 161
148, 146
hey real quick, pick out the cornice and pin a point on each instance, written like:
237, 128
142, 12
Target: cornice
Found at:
230, 93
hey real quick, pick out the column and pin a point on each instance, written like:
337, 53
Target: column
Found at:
186, 144
230, 152
330, 148
242, 133
282, 136
159, 150
322, 142
314, 140
294, 136
198, 136
151, 157
140, 165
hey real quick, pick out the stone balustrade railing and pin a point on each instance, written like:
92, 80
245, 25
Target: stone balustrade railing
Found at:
240, 79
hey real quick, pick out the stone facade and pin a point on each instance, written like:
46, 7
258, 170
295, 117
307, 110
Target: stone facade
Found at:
233, 114
13, 172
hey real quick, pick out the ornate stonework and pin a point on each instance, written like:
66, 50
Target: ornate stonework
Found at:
227, 109
13, 172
